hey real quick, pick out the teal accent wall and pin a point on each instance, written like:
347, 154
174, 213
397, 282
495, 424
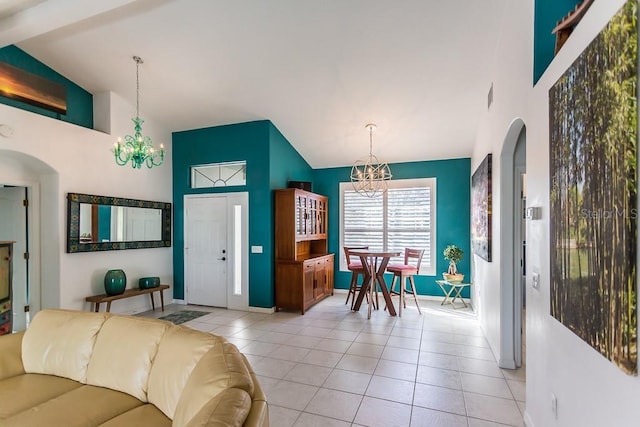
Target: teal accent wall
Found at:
547, 13
453, 189
286, 164
79, 101
271, 162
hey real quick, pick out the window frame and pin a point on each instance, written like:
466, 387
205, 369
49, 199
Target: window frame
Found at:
429, 265
218, 183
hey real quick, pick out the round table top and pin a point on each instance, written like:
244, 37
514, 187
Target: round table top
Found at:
374, 253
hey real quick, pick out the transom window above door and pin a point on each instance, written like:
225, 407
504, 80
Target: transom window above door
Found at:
219, 175
402, 217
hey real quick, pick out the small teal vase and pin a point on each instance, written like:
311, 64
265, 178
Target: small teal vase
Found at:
115, 282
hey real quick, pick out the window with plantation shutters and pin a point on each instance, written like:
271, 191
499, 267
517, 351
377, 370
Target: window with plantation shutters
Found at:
402, 217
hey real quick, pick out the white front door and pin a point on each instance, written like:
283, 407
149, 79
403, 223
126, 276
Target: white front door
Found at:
206, 253
13, 227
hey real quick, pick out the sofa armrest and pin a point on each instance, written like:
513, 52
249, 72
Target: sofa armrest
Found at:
259, 413
11, 355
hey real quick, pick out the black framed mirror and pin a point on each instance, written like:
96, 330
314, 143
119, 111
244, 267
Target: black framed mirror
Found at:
104, 223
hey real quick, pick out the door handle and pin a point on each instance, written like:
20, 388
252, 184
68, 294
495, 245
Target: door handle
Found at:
222, 259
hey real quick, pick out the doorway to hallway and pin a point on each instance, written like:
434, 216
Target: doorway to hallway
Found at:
14, 227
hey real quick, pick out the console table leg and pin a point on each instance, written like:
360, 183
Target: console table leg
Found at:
108, 306
161, 299
153, 302
96, 307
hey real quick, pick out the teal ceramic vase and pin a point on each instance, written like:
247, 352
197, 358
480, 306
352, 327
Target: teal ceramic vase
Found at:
115, 282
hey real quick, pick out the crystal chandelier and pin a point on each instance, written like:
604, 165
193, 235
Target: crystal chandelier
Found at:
137, 148
369, 176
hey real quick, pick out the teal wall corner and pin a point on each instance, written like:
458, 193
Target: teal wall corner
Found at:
243, 141
453, 193
286, 164
547, 13
79, 101
271, 163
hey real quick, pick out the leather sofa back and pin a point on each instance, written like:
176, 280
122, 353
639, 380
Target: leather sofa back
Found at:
171, 368
176, 368
60, 342
124, 352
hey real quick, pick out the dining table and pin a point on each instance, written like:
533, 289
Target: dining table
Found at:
374, 263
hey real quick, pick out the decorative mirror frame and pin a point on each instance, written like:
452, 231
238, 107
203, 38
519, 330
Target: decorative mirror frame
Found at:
73, 223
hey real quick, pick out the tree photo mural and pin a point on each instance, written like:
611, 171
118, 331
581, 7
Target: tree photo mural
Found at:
593, 181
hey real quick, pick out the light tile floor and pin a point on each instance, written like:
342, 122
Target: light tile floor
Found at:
334, 367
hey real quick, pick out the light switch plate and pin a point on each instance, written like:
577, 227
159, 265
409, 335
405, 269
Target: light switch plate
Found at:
533, 212
536, 280
256, 249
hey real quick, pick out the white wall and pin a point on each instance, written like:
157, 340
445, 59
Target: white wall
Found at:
512, 70
591, 391
55, 158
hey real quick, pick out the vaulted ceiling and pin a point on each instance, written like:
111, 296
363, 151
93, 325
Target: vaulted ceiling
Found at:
320, 70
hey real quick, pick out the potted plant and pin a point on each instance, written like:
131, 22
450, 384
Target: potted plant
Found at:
453, 254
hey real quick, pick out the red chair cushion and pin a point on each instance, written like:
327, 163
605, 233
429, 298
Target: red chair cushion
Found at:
401, 268
355, 266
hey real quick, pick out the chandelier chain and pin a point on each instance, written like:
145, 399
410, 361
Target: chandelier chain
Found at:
138, 62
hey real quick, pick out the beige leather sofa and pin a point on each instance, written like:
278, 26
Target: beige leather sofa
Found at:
75, 368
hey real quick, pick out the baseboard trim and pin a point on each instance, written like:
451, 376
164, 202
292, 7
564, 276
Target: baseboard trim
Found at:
507, 364
260, 310
179, 301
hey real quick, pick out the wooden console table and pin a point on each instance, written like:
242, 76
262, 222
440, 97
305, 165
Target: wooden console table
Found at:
98, 299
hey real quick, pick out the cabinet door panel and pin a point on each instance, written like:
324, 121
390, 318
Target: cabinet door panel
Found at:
328, 268
320, 279
309, 282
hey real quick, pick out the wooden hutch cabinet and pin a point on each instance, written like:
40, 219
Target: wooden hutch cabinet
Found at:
304, 269
6, 273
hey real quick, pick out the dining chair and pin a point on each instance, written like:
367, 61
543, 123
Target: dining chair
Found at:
354, 265
410, 268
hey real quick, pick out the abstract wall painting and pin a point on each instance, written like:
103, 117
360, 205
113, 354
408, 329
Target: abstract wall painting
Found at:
593, 201
27, 87
481, 210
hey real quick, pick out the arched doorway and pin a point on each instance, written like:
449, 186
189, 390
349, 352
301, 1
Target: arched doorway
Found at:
512, 242
38, 182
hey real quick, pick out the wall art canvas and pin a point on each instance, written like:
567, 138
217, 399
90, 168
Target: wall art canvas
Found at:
593, 200
27, 87
481, 210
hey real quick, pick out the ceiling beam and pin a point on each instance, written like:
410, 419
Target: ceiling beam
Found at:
51, 15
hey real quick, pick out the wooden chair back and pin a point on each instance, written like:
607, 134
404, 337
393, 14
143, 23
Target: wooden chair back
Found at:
348, 249
412, 255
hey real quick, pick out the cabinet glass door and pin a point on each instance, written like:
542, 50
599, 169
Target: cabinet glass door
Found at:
322, 217
301, 215
313, 215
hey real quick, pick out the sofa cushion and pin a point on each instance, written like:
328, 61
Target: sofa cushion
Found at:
81, 407
221, 368
60, 342
21, 392
173, 365
123, 354
143, 416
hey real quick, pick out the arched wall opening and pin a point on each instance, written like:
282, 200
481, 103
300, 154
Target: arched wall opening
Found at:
42, 185
510, 279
